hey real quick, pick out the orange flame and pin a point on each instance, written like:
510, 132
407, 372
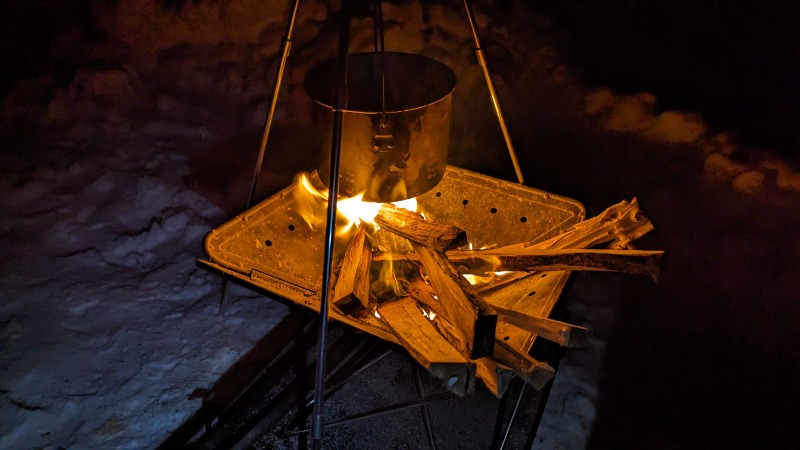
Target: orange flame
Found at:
477, 280
351, 212
311, 204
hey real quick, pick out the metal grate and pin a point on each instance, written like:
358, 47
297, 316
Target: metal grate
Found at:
272, 248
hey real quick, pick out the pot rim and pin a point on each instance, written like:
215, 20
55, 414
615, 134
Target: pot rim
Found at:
319, 80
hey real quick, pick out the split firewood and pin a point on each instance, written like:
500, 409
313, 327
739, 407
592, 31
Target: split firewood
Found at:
621, 223
534, 372
495, 377
421, 339
425, 295
621, 244
352, 288
415, 228
562, 333
638, 262
455, 335
474, 320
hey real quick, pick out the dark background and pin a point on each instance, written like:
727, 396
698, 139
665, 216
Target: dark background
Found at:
738, 63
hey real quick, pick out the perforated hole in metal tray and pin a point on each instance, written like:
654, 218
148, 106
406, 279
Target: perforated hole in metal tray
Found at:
273, 247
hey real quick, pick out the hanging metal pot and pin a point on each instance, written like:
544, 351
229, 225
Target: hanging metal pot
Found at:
395, 128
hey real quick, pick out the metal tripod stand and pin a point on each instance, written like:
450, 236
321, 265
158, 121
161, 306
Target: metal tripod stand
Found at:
340, 101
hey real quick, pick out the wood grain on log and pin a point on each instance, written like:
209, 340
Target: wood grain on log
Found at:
415, 228
562, 333
620, 223
534, 372
352, 288
637, 262
419, 337
474, 319
495, 377
426, 296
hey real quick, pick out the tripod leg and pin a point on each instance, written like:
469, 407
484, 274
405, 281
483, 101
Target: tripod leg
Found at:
492, 93
286, 47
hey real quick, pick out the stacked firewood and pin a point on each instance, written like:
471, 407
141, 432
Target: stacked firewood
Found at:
446, 324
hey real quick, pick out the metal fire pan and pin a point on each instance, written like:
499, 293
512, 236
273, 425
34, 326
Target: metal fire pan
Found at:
272, 249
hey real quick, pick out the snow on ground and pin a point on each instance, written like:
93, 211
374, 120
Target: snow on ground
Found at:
115, 174
107, 324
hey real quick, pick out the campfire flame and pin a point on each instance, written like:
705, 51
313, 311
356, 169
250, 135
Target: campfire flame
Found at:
350, 212
477, 280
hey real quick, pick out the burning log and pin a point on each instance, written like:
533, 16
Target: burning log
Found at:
425, 344
561, 333
448, 327
415, 228
352, 288
474, 320
638, 262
